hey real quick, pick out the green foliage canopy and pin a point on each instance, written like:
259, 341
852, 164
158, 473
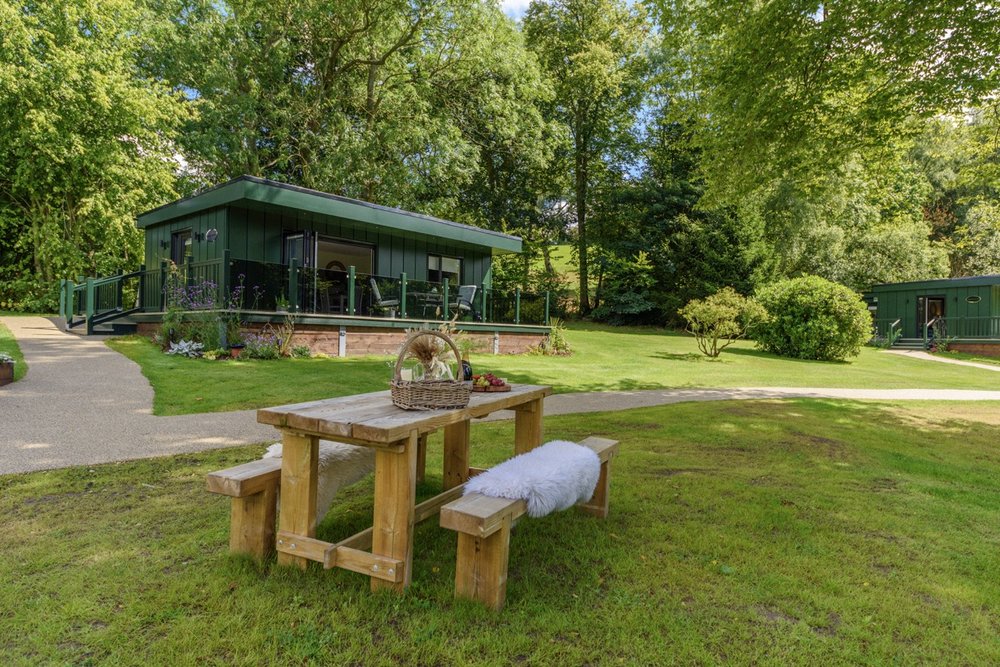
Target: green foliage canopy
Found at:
84, 142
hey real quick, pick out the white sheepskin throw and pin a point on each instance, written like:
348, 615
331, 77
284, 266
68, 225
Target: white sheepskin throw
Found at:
339, 465
549, 478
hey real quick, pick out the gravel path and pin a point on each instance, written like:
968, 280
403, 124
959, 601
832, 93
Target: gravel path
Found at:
82, 403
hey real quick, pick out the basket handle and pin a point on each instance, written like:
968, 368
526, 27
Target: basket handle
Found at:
397, 375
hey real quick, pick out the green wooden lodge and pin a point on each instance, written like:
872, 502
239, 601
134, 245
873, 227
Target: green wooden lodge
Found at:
348, 270
965, 310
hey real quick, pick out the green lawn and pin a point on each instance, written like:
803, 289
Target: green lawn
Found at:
806, 532
605, 358
977, 358
9, 345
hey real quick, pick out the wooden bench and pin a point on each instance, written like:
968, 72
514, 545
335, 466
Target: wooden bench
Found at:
483, 524
253, 487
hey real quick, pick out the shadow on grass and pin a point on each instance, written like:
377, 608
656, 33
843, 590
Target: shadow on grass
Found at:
685, 356
747, 352
580, 325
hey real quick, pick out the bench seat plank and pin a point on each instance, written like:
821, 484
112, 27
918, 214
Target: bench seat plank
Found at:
246, 479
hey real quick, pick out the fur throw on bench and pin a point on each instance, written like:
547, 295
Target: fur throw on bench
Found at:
339, 465
549, 478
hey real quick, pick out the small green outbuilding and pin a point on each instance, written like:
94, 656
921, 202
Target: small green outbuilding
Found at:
965, 309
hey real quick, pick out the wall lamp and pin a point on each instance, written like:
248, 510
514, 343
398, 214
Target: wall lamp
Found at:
209, 236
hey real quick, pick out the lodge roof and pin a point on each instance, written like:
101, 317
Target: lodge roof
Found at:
257, 192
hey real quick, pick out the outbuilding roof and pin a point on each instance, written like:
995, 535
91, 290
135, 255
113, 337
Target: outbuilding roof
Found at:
255, 192
941, 283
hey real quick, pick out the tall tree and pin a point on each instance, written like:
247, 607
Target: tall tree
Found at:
85, 141
794, 89
592, 50
366, 98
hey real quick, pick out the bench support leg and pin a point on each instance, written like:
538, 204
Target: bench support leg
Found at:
252, 523
299, 478
598, 504
392, 525
481, 567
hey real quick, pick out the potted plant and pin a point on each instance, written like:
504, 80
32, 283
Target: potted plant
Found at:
281, 304
6, 369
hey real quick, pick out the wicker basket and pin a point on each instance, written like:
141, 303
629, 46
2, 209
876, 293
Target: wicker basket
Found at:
428, 394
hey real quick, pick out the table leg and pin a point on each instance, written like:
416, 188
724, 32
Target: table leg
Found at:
299, 477
421, 458
456, 454
528, 426
392, 529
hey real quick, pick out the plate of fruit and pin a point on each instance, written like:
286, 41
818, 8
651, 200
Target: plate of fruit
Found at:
489, 382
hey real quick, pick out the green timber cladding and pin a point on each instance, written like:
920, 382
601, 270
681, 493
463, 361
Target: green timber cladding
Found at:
253, 215
962, 298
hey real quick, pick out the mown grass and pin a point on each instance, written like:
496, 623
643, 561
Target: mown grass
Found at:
605, 358
807, 532
9, 345
977, 358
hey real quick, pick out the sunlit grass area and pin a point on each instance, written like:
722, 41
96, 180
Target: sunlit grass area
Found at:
807, 532
604, 358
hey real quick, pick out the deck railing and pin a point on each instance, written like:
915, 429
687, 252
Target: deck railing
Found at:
352, 292
968, 327
272, 287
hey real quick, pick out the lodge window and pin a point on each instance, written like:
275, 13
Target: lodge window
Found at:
441, 268
337, 255
180, 246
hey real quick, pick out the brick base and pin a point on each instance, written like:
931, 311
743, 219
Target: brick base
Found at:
984, 349
361, 341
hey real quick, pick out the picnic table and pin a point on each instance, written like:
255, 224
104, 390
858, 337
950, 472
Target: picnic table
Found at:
385, 551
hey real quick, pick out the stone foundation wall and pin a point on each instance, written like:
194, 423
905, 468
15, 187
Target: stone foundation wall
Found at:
985, 349
361, 341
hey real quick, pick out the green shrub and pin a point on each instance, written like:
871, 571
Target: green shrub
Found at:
812, 318
720, 319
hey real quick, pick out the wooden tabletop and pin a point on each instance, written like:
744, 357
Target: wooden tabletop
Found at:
373, 418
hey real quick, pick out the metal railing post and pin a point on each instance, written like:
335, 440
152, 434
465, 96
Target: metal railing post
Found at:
62, 298
482, 301
293, 285
89, 306
548, 294
163, 286
351, 278
225, 280
444, 295
517, 305
140, 295
402, 295
189, 271
119, 291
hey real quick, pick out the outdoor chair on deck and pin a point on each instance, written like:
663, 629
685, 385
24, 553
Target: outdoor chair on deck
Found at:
466, 301
383, 304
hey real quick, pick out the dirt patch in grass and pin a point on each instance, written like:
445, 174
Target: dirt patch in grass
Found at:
774, 615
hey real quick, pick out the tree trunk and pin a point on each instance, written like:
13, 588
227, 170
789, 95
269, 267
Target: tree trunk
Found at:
581, 226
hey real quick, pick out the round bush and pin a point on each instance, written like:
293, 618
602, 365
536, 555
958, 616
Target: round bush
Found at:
812, 318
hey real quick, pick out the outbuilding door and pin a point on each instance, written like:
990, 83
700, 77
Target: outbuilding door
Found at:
929, 308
